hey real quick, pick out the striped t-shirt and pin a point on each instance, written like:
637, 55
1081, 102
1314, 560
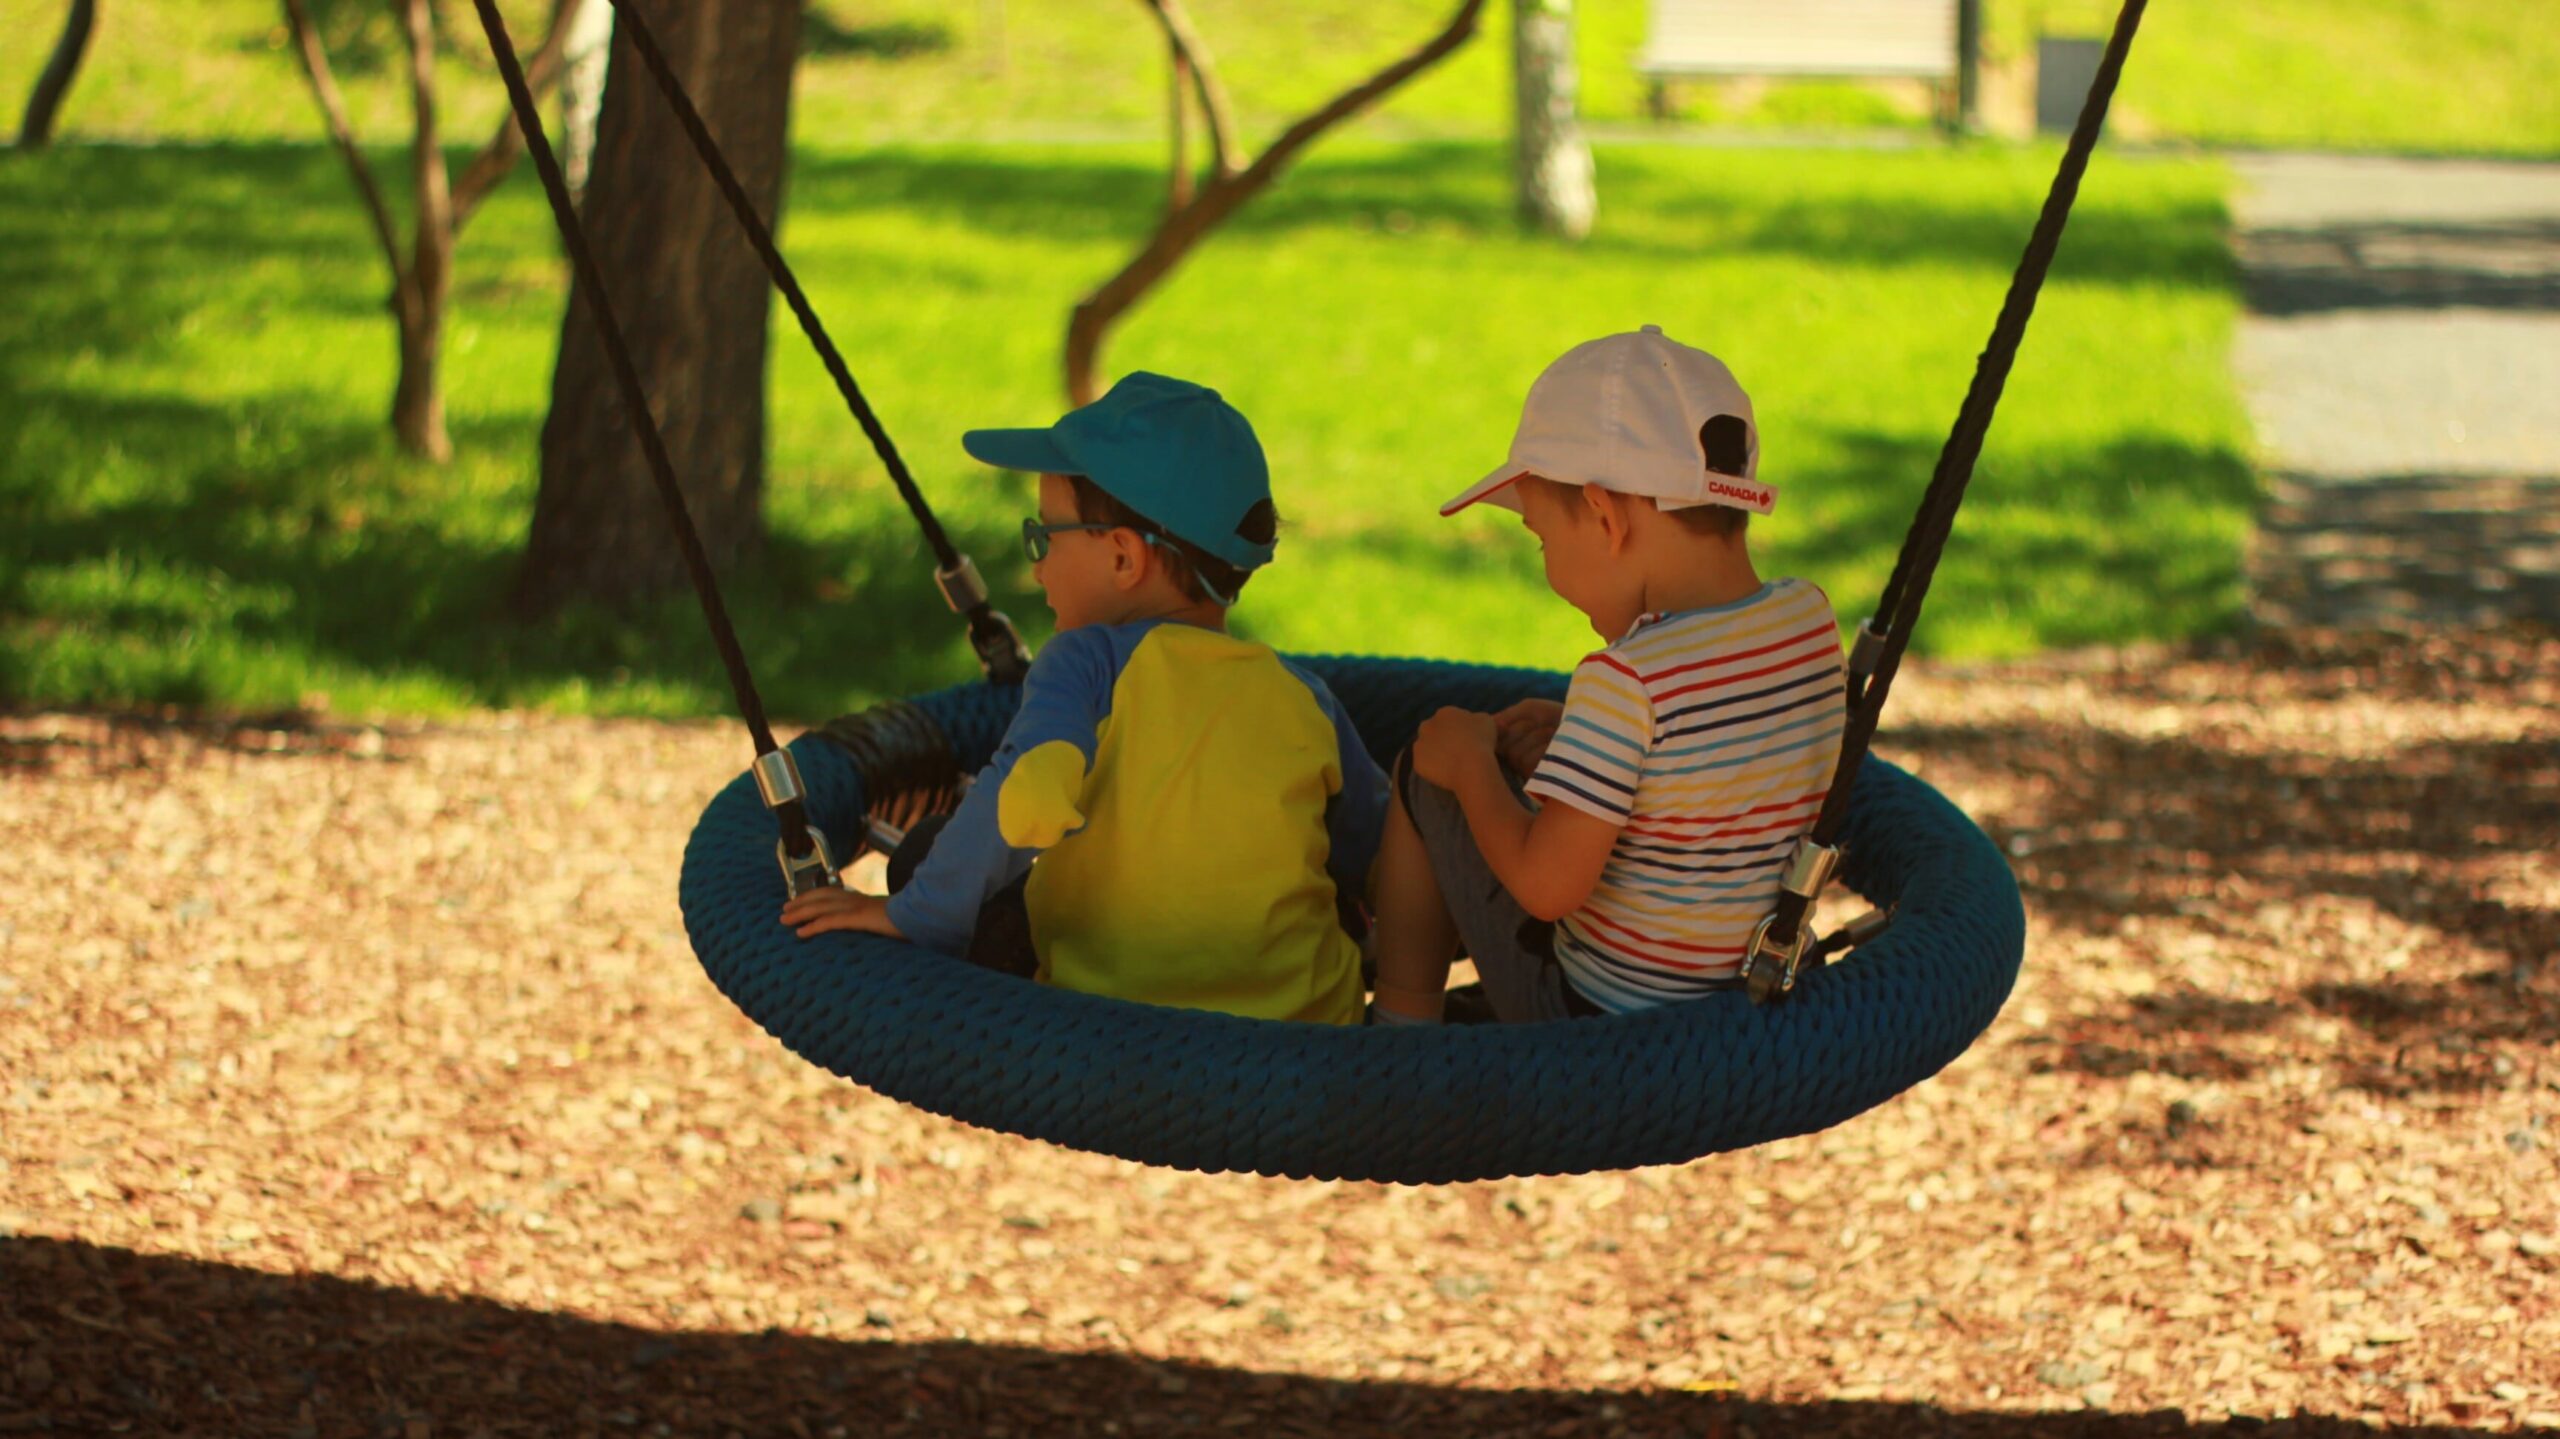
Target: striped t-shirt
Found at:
1709, 736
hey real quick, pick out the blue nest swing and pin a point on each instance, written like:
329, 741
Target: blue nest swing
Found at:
1197, 1090
1805, 1048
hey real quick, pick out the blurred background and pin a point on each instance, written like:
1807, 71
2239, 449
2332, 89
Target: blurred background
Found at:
284, 427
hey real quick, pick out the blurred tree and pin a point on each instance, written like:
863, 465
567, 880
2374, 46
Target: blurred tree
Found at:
692, 299
1553, 158
422, 269
36, 130
1194, 210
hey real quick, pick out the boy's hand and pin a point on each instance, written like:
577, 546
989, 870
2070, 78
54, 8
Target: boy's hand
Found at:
1449, 742
1523, 731
821, 910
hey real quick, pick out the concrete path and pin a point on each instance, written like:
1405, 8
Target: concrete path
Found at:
2402, 363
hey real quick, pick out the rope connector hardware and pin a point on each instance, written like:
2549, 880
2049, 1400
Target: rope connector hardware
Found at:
1002, 656
1769, 968
805, 872
1865, 652
778, 781
963, 588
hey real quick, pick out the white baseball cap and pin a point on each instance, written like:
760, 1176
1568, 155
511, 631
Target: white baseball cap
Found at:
1639, 414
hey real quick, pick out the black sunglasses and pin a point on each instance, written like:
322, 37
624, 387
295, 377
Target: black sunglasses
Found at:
1036, 533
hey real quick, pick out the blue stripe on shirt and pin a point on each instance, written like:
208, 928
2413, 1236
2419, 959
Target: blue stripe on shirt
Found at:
1821, 696
1827, 672
1623, 786
1613, 736
1758, 754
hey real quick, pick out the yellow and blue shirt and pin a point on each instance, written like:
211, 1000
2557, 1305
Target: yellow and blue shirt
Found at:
1199, 810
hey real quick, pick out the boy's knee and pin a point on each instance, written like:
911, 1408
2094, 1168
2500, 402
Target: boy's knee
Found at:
1411, 792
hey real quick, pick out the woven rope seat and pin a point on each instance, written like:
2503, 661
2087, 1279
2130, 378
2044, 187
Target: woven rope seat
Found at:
1207, 1091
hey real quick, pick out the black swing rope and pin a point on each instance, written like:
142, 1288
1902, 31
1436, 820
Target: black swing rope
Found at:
1883, 639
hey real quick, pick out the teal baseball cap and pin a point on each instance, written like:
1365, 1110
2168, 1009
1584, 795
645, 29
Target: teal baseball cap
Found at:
1171, 450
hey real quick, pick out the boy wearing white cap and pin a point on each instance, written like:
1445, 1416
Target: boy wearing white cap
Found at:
1615, 852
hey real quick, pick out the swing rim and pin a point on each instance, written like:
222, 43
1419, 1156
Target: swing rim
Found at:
1214, 1092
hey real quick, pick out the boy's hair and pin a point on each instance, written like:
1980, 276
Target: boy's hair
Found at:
1187, 563
1721, 520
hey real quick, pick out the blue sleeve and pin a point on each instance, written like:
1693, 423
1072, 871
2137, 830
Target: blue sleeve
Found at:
1064, 697
1356, 817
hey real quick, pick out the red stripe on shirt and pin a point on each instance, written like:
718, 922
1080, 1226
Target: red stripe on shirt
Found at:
1635, 937
1789, 823
1829, 629
1770, 808
1626, 955
1740, 675
1613, 662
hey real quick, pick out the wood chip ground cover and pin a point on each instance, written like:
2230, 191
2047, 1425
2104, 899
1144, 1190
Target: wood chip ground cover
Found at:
360, 1082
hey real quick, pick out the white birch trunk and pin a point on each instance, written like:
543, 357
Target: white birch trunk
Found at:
582, 73
1554, 160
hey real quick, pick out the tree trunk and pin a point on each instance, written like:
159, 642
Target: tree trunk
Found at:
36, 130
1554, 160
417, 399
418, 302
693, 303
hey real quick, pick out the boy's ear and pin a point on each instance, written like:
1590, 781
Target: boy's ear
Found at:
1610, 509
1128, 558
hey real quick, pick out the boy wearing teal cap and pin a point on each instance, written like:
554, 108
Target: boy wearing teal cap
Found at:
1201, 812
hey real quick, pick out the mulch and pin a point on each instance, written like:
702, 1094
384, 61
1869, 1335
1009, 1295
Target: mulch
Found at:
357, 1080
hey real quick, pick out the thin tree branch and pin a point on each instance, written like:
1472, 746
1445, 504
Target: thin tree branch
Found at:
1178, 123
1192, 53
497, 158
1180, 230
333, 108
44, 102
1461, 25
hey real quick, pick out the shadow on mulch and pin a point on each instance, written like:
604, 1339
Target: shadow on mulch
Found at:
2118, 827
2128, 825
105, 1340
122, 738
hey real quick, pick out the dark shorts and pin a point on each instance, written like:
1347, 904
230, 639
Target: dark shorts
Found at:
1515, 954
1002, 940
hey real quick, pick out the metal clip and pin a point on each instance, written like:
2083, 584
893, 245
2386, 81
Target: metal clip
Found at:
1764, 981
962, 589
1865, 651
778, 780
814, 870
1865, 927
1002, 655
883, 836
1809, 870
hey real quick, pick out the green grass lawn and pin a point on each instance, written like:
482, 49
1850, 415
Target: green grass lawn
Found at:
199, 503
2459, 75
